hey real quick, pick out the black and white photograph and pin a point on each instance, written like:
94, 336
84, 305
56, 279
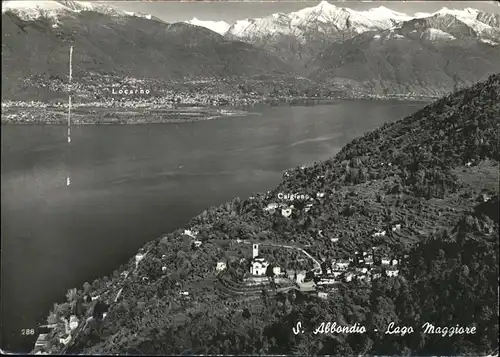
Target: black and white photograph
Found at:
293, 178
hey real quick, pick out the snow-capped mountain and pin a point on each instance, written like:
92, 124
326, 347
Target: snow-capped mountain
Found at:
31, 10
220, 27
328, 19
302, 35
323, 18
484, 25
427, 54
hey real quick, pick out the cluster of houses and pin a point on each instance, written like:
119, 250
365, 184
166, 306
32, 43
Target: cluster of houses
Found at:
65, 335
192, 234
99, 92
395, 227
362, 267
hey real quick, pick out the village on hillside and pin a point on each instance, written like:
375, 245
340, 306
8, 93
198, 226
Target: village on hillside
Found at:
362, 266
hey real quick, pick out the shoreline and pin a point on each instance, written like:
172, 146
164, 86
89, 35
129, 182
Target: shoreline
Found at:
41, 113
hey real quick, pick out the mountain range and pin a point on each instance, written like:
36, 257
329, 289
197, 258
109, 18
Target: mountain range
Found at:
119, 45
32, 10
338, 50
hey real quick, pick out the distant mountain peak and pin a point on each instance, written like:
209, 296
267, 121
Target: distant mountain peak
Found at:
31, 10
324, 4
465, 13
220, 27
323, 18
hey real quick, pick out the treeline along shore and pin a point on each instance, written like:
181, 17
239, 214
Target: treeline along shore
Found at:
424, 188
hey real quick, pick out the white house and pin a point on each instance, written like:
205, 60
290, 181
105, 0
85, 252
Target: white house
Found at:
396, 227
138, 258
286, 212
379, 234
334, 240
271, 207
386, 261
348, 276
392, 272
300, 277
73, 322
185, 293
394, 262
337, 273
197, 243
340, 265
322, 295
362, 270
66, 340
276, 271
220, 266
307, 287
190, 233
484, 197
327, 281
163, 269
320, 194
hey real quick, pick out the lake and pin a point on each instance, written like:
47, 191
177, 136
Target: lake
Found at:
131, 183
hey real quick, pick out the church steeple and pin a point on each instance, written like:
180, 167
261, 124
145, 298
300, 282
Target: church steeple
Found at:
255, 251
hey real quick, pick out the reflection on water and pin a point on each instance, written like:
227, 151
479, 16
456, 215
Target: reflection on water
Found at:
129, 184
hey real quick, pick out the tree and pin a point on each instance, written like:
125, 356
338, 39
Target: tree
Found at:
87, 288
71, 295
270, 272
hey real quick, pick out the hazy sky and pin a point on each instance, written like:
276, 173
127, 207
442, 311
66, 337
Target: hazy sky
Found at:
173, 11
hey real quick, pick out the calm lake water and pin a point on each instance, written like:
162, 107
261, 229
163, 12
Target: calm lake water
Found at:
131, 183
